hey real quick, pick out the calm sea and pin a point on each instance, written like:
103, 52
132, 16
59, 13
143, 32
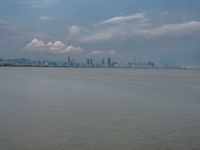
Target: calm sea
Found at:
99, 109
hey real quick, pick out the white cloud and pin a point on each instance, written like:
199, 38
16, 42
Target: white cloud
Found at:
97, 37
182, 29
191, 28
45, 18
74, 30
102, 35
36, 44
138, 16
56, 47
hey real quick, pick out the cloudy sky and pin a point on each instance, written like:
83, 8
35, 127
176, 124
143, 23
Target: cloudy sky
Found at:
157, 30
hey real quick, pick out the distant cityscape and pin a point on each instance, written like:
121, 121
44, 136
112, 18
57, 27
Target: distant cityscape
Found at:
88, 63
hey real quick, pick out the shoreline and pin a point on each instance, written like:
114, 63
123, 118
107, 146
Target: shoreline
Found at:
90, 67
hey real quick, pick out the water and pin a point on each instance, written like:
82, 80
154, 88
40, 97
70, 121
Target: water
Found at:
99, 109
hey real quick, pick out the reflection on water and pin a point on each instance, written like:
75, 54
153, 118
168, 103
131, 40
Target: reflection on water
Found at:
99, 109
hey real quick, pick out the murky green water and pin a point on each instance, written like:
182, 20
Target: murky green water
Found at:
99, 109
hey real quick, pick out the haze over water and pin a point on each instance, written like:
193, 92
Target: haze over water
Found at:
99, 109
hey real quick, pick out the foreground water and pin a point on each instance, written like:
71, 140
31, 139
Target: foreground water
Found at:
99, 109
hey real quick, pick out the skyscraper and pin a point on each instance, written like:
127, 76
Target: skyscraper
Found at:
68, 61
109, 62
103, 62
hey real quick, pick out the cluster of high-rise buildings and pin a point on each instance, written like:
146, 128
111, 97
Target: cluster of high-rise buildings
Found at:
88, 63
70, 62
91, 63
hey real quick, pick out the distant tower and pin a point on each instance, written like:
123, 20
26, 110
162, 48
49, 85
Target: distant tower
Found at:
68, 61
88, 62
91, 62
109, 62
73, 62
103, 62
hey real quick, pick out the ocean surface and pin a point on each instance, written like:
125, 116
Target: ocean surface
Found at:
99, 109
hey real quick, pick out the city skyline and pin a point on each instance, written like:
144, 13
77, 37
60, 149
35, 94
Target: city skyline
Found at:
154, 30
91, 63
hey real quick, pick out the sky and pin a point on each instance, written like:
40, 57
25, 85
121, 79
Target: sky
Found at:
126, 30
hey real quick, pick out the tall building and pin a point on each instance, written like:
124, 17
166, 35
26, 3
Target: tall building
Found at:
109, 62
88, 62
91, 62
73, 62
68, 61
103, 62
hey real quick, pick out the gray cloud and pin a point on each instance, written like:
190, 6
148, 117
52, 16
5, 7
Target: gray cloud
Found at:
106, 53
45, 18
7, 25
39, 3
164, 13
